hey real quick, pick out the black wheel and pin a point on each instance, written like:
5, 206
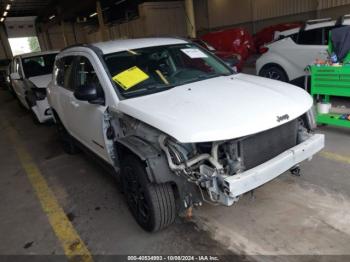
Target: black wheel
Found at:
152, 205
67, 141
275, 73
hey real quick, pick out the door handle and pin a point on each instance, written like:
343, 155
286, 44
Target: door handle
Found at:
75, 104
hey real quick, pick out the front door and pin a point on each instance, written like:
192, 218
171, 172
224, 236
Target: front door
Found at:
19, 84
86, 119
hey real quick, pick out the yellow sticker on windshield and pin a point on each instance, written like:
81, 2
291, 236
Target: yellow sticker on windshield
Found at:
130, 77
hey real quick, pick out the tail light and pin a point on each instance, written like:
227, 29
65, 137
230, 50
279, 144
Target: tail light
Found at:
263, 49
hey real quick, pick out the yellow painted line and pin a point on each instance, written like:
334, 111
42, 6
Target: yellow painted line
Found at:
335, 157
74, 248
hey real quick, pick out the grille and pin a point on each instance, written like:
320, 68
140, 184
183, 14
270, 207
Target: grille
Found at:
264, 146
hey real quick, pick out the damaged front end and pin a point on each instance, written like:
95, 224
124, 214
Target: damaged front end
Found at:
225, 170
217, 172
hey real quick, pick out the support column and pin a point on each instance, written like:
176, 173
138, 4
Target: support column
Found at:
4, 42
190, 18
103, 30
253, 15
64, 33
318, 9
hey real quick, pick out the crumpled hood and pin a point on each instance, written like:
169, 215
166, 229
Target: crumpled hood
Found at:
221, 108
41, 81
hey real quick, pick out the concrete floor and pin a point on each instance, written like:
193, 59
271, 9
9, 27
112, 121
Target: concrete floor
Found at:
288, 216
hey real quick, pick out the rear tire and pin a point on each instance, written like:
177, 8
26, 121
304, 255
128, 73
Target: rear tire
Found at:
152, 205
68, 144
275, 73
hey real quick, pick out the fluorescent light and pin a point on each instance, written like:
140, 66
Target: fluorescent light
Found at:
2, 19
52, 17
119, 2
5, 13
93, 14
8, 6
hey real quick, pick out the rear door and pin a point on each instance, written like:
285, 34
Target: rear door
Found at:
312, 45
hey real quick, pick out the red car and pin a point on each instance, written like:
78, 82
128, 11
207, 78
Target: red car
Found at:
233, 59
234, 40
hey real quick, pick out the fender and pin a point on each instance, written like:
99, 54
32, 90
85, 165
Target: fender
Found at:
157, 167
158, 170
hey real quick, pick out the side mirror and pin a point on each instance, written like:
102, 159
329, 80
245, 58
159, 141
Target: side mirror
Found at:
15, 76
89, 93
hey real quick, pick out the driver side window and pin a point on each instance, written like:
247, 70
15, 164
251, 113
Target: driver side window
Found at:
85, 73
17, 67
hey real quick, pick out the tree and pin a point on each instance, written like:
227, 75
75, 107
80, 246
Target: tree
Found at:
34, 44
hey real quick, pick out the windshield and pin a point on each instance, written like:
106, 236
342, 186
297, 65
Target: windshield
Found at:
38, 65
148, 70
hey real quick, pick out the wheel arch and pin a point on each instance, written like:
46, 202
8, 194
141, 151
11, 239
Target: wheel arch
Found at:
157, 169
275, 65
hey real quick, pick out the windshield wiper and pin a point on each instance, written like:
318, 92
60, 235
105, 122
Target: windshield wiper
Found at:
201, 77
148, 90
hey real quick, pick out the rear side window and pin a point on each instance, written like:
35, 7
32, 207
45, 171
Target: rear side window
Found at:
311, 37
326, 34
64, 67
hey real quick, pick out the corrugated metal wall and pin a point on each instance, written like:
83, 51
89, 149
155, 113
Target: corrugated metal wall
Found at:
222, 13
264, 9
324, 4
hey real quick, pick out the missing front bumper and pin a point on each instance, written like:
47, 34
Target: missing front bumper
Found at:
241, 183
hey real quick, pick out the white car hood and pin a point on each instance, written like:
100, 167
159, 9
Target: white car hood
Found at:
220, 108
41, 81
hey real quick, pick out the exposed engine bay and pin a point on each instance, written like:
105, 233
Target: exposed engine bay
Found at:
207, 165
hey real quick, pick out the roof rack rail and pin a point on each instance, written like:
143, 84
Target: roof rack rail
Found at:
315, 21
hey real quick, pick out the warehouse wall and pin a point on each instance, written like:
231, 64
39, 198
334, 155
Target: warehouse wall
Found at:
156, 19
256, 14
169, 18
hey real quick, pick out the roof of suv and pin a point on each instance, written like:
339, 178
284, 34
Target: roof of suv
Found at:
36, 54
127, 44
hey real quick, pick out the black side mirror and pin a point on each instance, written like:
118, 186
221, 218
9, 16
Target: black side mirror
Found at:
90, 93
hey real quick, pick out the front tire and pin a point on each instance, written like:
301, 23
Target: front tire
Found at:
275, 73
152, 205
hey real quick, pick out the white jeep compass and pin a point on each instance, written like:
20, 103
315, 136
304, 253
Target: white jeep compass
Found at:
176, 124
